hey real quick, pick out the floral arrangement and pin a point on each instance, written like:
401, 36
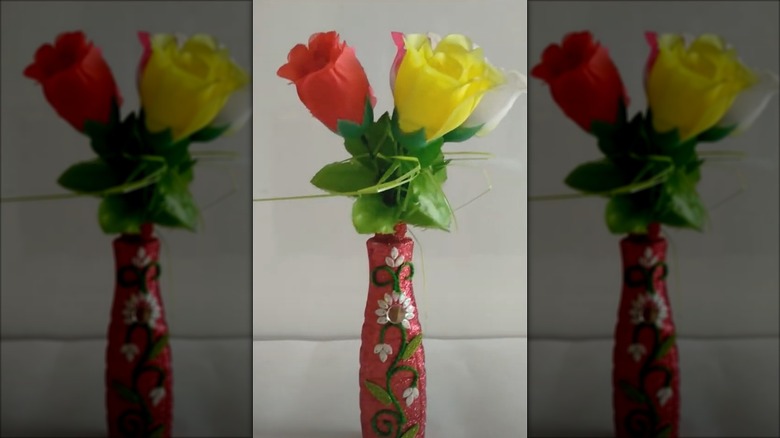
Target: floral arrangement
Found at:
444, 90
190, 91
698, 91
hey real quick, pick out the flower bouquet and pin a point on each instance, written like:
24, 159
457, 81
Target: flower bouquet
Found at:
697, 91
190, 91
444, 90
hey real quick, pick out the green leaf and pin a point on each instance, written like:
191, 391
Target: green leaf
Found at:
596, 177
428, 153
379, 393
98, 134
411, 432
680, 204
623, 215
665, 432
716, 133
411, 347
92, 176
370, 215
158, 346
173, 202
409, 140
117, 214
461, 133
632, 393
347, 129
157, 432
125, 392
427, 206
666, 345
208, 133
344, 177
605, 133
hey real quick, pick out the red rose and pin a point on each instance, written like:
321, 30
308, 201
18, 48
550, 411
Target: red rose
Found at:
583, 80
76, 80
329, 79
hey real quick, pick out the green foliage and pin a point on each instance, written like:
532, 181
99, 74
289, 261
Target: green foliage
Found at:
648, 176
141, 176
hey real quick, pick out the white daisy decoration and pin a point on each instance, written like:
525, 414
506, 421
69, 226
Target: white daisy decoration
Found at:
410, 394
141, 259
130, 351
396, 309
141, 308
648, 260
637, 351
649, 308
395, 259
664, 394
383, 350
157, 394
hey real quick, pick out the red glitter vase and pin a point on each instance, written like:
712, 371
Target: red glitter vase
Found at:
645, 374
392, 359
138, 357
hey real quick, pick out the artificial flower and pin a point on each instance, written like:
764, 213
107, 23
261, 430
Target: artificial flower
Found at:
184, 87
329, 79
583, 80
438, 86
690, 87
750, 103
76, 80
497, 102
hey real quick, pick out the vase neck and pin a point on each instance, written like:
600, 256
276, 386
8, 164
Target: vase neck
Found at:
398, 236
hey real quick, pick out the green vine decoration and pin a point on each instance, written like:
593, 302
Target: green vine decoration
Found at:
392, 422
646, 421
138, 420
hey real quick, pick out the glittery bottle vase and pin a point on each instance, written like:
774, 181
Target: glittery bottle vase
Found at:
138, 357
392, 359
645, 373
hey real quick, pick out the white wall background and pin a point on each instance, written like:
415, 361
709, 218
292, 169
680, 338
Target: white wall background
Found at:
723, 283
310, 266
57, 266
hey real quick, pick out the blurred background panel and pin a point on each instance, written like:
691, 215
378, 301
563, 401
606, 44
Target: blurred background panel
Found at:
723, 283
58, 267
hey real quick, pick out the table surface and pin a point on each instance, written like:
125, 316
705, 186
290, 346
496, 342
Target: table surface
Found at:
309, 389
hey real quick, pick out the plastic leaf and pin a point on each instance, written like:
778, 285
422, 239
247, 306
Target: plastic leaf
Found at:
625, 216
379, 393
117, 215
596, 177
89, 177
370, 215
344, 177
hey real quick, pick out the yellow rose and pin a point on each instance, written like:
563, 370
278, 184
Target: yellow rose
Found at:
184, 88
438, 86
691, 88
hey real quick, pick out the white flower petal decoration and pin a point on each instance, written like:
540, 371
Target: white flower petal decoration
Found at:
637, 351
129, 351
395, 309
383, 350
664, 394
648, 260
157, 394
410, 394
141, 259
496, 103
649, 308
394, 260
751, 103
141, 308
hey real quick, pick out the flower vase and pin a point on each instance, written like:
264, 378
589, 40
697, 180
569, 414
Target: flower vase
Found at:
138, 357
645, 373
392, 359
